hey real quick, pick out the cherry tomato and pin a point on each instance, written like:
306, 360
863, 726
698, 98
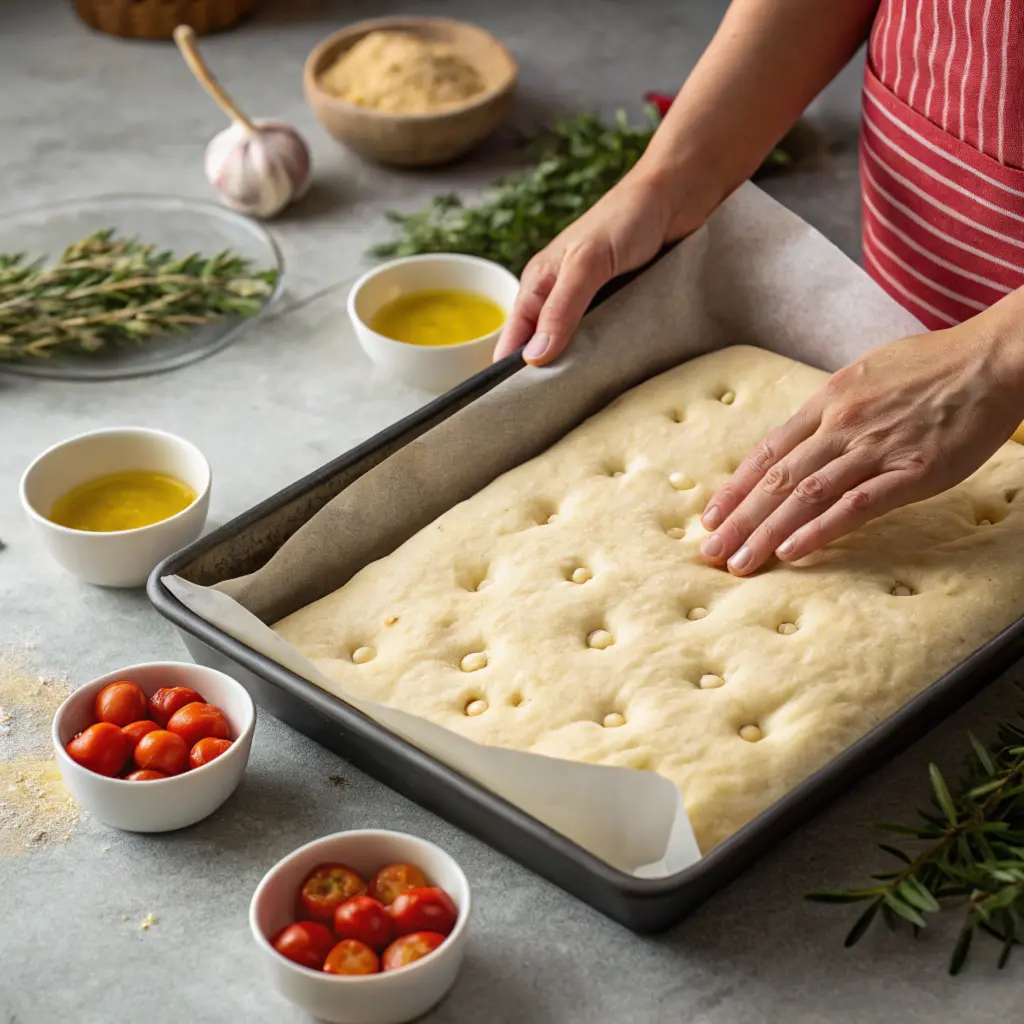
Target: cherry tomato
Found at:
424, 910
363, 918
120, 703
145, 775
206, 750
163, 751
136, 730
350, 956
304, 942
165, 702
395, 879
195, 722
327, 887
404, 950
102, 748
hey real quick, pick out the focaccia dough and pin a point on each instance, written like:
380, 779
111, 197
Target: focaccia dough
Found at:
564, 609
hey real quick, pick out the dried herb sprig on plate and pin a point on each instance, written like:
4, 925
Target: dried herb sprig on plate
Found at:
108, 290
973, 854
576, 161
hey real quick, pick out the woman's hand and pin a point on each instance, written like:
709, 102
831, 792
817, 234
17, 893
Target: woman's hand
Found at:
622, 231
902, 423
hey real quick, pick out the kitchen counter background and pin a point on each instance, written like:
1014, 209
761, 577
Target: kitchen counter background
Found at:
83, 114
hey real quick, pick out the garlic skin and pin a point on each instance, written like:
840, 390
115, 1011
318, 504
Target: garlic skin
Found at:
258, 172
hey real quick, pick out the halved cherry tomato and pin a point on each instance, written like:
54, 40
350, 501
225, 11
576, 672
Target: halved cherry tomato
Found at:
305, 942
166, 701
136, 730
206, 750
350, 956
195, 722
145, 775
424, 910
395, 879
120, 703
163, 751
363, 918
326, 888
403, 951
102, 748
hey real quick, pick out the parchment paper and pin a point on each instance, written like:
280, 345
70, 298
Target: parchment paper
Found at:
755, 274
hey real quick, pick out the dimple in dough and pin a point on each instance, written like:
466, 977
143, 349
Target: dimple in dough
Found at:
879, 614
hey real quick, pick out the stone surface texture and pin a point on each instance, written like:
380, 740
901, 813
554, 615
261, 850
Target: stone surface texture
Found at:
82, 114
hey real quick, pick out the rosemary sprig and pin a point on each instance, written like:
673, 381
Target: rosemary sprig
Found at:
107, 290
576, 161
973, 855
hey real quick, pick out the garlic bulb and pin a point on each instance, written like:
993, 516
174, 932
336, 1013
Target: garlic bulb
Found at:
258, 167
258, 172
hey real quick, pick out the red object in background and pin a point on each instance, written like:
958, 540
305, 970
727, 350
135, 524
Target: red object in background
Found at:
662, 101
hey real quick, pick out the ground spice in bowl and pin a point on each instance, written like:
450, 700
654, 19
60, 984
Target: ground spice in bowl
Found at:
400, 73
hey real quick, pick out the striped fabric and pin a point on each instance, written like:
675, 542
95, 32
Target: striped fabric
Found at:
942, 155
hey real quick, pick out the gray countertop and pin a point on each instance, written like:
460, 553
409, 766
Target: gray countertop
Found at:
81, 114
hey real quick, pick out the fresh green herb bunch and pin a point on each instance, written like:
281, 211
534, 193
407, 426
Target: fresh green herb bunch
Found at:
575, 163
107, 290
973, 853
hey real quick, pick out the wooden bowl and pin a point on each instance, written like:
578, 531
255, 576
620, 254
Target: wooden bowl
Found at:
415, 140
156, 19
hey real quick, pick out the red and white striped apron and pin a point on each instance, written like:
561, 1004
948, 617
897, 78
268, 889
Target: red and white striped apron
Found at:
942, 155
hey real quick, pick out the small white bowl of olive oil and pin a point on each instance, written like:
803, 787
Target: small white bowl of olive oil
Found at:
433, 320
111, 504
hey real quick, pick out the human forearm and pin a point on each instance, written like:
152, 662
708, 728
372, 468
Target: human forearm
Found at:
1001, 326
767, 61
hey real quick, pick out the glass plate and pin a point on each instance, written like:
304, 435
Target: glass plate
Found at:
169, 222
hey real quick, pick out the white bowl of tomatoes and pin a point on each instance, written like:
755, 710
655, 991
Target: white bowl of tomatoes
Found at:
154, 747
363, 927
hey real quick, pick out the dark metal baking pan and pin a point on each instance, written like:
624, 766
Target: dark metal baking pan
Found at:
643, 905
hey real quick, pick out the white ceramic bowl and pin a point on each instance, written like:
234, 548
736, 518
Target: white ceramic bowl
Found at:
122, 558
387, 998
433, 368
163, 804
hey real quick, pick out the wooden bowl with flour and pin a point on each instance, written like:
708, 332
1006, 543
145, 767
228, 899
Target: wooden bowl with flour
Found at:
410, 92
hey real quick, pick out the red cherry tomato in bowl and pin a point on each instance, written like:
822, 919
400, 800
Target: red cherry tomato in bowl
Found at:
350, 956
326, 888
145, 775
395, 879
206, 750
195, 722
305, 942
102, 748
169, 699
409, 948
424, 910
120, 703
363, 918
162, 751
136, 730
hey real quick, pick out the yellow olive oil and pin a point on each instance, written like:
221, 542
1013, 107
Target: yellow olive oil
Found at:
439, 316
122, 501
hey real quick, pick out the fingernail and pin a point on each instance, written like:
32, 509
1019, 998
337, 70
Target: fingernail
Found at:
537, 346
741, 559
712, 547
712, 518
785, 548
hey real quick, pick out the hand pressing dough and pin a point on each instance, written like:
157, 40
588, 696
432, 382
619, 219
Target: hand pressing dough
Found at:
602, 637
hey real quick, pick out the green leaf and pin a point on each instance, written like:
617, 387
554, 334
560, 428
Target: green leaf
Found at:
840, 896
945, 801
895, 852
905, 910
983, 756
961, 949
862, 924
917, 895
